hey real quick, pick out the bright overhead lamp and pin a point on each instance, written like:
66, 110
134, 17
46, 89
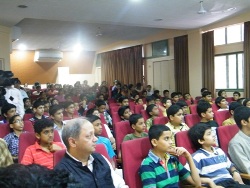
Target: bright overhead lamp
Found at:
78, 48
22, 47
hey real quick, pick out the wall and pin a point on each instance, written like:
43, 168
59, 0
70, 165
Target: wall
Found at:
28, 71
5, 46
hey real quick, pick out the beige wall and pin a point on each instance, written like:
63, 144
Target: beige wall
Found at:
5, 46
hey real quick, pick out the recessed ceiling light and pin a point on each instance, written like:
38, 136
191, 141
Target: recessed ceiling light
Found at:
22, 47
22, 6
78, 48
158, 19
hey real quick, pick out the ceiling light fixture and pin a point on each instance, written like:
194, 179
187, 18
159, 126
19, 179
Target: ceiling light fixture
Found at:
99, 32
22, 47
202, 10
22, 6
158, 20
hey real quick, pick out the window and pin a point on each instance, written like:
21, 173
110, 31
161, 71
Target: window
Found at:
228, 35
229, 70
160, 48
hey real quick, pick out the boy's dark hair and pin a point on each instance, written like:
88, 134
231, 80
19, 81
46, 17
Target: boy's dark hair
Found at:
53, 109
6, 107
46, 102
241, 113
149, 109
133, 119
67, 104
90, 111
233, 106
149, 98
12, 119
236, 92
181, 103
165, 91
203, 89
92, 118
25, 99
81, 96
205, 93
156, 92
197, 132
122, 98
137, 100
218, 100
220, 92
202, 107
174, 94
172, 110
98, 95
241, 100
42, 124
164, 100
246, 101
37, 103
122, 110
155, 131
100, 102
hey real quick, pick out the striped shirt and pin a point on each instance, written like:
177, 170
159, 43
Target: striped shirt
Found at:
34, 154
154, 174
212, 165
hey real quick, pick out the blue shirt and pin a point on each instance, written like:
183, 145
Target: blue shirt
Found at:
12, 141
107, 143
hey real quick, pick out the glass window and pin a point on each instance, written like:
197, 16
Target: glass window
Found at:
229, 71
234, 34
219, 36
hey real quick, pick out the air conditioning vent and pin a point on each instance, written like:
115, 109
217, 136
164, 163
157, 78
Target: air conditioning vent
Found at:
48, 56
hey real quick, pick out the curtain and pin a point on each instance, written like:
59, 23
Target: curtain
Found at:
181, 63
208, 61
247, 59
124, 65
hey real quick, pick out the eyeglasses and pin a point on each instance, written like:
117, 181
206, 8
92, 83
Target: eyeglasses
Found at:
18, 121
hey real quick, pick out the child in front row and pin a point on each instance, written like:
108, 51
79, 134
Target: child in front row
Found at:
12, 139
160, 168
213, 165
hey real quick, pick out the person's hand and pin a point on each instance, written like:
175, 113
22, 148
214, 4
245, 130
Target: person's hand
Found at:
54, 147
237, 177
179, 151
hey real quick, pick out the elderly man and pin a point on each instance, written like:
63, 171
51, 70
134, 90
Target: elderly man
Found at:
88, 168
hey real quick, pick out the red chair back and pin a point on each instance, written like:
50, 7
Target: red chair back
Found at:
192, 119
215, 108
114, 109
104, 132
28, 138
4, 129
182, 140
138, 108
220, 116
132, 105
160, 120
230, 99
116, 118
144, 115
133, 152
27, 117
193, 108
225, 134
121, 129
103, 119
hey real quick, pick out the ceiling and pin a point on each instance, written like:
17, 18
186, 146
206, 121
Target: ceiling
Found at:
61, 24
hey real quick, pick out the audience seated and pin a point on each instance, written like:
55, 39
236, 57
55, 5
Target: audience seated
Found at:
166, 102
221, 103
27, 106
42, 151
213, 165
8, 110
239, 149
174, 97
236, 96
5, 155
101, 106
232, 107
69, 110
152, 112
207, 97
56, 115
124, 113
38, 109
160, 168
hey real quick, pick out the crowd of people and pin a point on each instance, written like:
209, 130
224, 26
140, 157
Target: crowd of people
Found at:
81, 114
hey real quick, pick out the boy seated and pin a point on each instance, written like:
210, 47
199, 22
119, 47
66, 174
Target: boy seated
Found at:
207, 97
149, 91
56, 115
166, 102
184, 107
174, 97
236, 96
232, 107
46, 107
166, 93
27, 106
213, 165
95, 120
42, 151
8, 110
222, 93
101, 107
69, 109
12, 139
160, 168
175, 124
137, 123
239, 149
152, 111
38, 110
221, 103
188, 98
123, 101
124, 113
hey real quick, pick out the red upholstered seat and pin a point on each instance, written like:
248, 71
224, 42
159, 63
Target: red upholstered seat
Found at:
193, 108
220, 116
192, 119
182, 140
225, 134
29, 138
133, 152
160, 120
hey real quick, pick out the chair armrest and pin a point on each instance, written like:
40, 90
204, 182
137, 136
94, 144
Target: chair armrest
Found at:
245, 176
